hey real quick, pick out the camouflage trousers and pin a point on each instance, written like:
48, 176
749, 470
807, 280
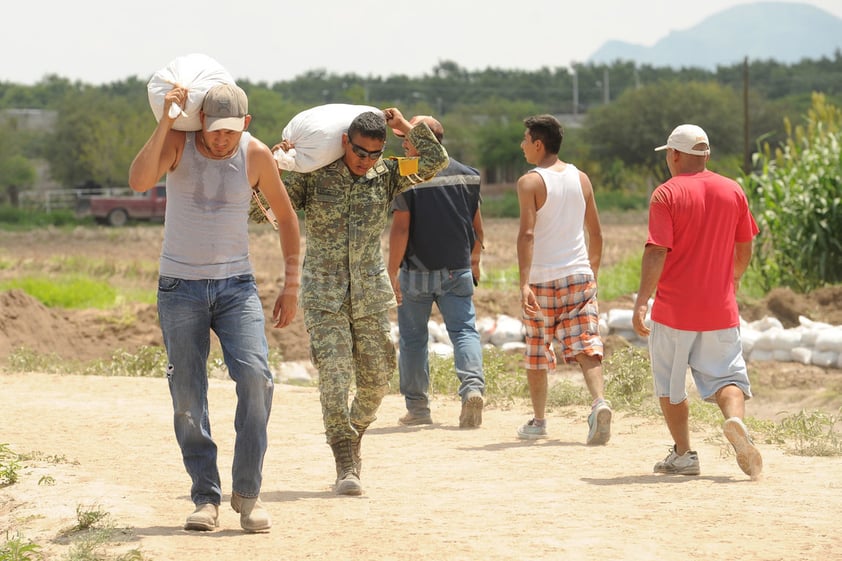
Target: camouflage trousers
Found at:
344, 349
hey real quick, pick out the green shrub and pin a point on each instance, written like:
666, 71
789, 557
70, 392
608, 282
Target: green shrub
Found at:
17, 548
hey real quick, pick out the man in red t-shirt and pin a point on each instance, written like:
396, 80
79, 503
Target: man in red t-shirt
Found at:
699, 245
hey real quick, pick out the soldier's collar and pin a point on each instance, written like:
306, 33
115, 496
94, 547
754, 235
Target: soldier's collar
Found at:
379, 168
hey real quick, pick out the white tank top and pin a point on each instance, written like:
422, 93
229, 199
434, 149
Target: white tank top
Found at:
560, 249
206, 221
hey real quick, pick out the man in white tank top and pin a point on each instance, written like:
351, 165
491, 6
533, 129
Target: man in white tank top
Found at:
558, 272
206, 283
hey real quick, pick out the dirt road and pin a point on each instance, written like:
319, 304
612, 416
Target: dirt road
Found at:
436, 493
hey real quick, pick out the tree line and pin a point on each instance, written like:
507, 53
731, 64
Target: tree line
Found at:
615, 114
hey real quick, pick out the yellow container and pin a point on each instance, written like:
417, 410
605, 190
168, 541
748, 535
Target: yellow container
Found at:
407, 166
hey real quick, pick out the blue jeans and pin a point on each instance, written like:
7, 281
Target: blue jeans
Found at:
188, 310
452, 291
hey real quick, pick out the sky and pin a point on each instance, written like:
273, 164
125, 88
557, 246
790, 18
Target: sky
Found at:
103, 41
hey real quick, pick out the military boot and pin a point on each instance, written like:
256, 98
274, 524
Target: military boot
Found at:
357, 449
347, 473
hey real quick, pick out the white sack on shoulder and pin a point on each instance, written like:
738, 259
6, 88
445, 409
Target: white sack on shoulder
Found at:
196, 72
317, 136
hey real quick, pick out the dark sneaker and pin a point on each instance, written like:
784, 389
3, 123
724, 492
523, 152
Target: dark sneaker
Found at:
748, 456
532, 430
471, 415
204, 519
411, 420
599, 424
686, 464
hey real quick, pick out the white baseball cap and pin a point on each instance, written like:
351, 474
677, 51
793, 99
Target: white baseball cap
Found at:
684, 137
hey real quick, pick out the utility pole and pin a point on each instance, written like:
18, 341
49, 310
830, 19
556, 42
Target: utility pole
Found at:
746, 153
606, 96
575, 92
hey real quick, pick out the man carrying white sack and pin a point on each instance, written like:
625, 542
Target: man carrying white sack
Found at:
346, 293
206, 283
699, 246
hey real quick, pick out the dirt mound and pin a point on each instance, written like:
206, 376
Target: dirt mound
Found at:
824, 304
73, 334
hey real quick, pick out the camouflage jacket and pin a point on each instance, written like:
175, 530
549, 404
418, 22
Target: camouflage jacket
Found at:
344, 219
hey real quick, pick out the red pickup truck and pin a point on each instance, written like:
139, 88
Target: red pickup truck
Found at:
117, 211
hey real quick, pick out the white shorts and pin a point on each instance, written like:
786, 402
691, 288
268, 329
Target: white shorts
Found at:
715, 359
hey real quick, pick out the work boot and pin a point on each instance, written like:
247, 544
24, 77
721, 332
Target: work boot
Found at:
471, 415
253, 517
204, 519
347, 472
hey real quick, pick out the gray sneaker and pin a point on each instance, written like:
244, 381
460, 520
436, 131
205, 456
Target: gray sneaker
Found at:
686, 464
748, 456
471, 415
532, 430
599, 424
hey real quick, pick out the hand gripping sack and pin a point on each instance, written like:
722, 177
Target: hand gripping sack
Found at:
196, 72
317, 136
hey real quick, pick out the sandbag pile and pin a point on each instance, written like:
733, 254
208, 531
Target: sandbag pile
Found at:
811, 342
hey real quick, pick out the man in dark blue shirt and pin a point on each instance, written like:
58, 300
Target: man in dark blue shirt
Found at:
434, 250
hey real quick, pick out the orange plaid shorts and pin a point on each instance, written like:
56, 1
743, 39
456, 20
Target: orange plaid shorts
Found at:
570, 315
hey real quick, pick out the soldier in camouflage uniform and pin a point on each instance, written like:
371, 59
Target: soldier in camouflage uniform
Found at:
345, 290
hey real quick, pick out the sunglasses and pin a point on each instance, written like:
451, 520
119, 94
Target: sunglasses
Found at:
363, 153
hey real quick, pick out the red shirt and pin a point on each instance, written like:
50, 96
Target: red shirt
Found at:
699, 218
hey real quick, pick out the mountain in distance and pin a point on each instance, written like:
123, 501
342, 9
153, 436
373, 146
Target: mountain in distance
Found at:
785, 32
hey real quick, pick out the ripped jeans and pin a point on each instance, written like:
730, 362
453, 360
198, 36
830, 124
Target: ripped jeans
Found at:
188, 310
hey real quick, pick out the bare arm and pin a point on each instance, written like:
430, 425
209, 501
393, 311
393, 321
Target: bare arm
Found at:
592, 225
263, 175
527, 188
742, 257
398, 238
162, 151
476, 251
651, 268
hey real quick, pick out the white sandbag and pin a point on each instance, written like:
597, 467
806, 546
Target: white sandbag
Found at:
748, 337
829, 340
513, 346
628, 334
441, 350
787, 339
782, 355
767, 339
438, 332
485, 326
766, 323
620, 319
508, 330
824, 358
760, 355
801, 354
808, 323
196, 72
317, 136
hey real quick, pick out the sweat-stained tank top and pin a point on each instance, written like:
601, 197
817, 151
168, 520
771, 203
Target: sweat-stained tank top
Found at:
206, 221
